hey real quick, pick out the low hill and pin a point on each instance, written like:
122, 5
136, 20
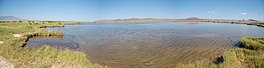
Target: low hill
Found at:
9, 18
190, 19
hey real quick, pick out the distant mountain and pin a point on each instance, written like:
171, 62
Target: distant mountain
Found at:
193, 18
9, 18
252, 20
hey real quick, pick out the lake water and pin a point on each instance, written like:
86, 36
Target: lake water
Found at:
149, 45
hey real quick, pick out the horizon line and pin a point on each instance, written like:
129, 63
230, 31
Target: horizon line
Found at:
123, 19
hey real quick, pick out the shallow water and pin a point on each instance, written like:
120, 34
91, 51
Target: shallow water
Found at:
145, 45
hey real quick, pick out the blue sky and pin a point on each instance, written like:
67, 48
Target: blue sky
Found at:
90, 10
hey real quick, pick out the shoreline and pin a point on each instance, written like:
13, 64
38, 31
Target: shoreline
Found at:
12, 49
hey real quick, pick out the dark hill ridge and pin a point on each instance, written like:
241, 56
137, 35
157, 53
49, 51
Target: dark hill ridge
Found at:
193, 18
9, 18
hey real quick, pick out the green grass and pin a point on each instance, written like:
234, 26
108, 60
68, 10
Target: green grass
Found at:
43, 57
253, 43
250, 55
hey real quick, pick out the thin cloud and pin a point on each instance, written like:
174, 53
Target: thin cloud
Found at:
211, 12
244, 13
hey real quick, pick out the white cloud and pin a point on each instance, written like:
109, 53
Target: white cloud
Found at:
244, 13
211, 12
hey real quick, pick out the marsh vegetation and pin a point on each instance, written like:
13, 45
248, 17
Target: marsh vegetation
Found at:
249, 55
11, 48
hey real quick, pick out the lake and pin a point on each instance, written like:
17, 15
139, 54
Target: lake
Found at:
149, 45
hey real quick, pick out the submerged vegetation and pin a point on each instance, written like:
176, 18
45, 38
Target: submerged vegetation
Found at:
249, 55
14, 35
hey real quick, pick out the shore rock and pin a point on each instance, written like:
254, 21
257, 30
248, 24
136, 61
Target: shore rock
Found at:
17, 35
1, 42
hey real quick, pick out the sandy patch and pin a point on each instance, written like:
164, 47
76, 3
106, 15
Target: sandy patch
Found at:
5, 64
